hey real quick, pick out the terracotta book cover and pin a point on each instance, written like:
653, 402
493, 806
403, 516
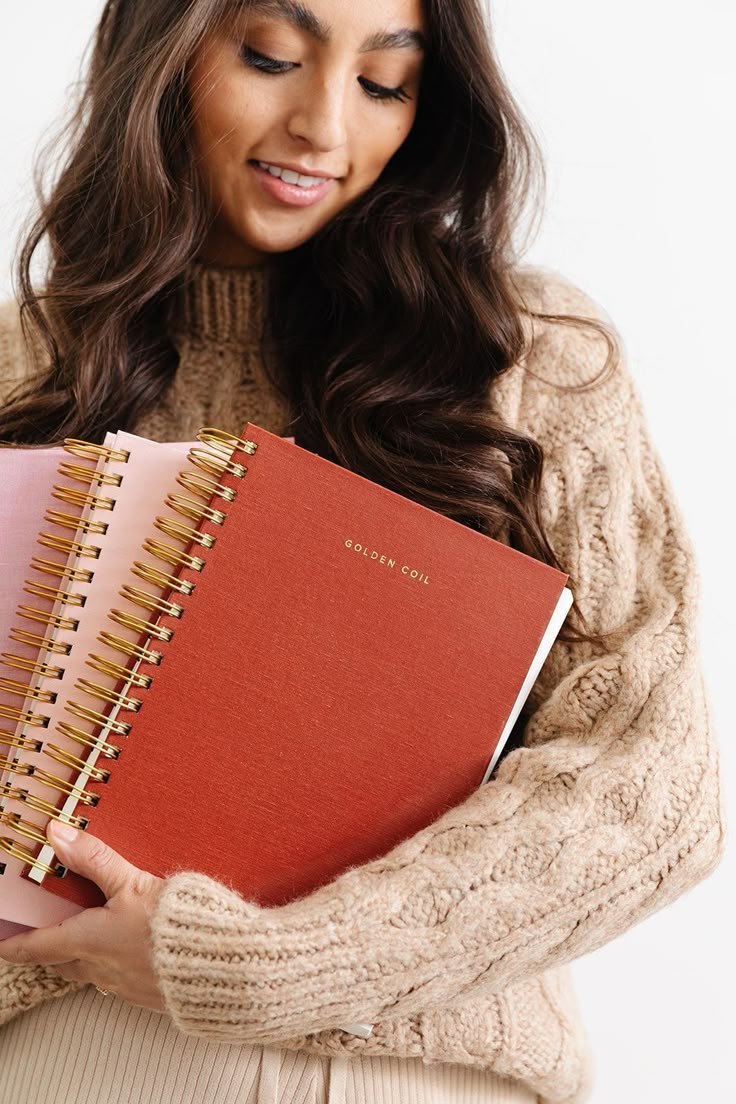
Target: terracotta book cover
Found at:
344, 671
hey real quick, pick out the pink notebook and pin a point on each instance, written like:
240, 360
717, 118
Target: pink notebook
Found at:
146, 476
27, 480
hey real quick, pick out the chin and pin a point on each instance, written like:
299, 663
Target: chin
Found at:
273, 245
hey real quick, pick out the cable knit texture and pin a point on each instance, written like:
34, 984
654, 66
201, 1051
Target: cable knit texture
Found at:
456, 944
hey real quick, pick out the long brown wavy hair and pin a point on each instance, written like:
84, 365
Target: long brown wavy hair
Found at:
385, 330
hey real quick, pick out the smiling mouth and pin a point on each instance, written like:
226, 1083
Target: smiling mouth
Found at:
290, 193
292, 176
311, 173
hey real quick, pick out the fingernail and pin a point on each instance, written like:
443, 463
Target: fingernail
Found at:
64, 832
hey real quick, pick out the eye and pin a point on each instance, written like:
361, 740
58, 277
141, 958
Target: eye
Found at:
261, 61
272, 65
378, 92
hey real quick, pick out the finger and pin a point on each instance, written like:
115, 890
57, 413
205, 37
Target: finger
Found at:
78, 937
89, 856
42, 947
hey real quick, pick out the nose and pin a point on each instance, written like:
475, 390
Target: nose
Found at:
319, 116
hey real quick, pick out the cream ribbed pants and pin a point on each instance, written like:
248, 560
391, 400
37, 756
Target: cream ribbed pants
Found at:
85, 1048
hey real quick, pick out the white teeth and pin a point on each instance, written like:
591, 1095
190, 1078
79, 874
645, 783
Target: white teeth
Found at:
292, 177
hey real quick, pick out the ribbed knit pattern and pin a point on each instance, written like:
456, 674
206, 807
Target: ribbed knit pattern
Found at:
456, 943
220, 380
90, 1049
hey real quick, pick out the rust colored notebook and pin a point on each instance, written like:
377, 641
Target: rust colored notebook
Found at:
347, 667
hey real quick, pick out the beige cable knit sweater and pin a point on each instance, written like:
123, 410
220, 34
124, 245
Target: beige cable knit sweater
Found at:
456, 943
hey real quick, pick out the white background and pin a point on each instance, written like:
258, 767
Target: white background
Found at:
632, 103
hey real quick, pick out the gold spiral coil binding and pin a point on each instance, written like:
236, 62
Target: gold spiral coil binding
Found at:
54, 620
40, 806
215, 459
85, 449
24, 716
224, 442
172, 555
101, 692
23, 743
89, 475
205, 488
32, 666
73, 761
115, 670
18, 851
20, 636
73, 521
23, 690
146, 628
52, 781
150, 601
214, 464
120, 644
161, 579
111, 751
62, 571
83, 498
120, 728
55, 594
184, 532
64, 787
191, 508
23, 827
15, 765
70, 547
80, 522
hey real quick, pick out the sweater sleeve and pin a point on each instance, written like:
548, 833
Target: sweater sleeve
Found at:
609, 810
16, 365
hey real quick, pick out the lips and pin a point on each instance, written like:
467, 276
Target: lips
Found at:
294, 168
290, 195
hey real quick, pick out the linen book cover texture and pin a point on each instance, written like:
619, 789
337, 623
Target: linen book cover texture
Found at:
338, 679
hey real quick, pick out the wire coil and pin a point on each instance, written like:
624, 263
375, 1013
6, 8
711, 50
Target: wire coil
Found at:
213, 457
71, 534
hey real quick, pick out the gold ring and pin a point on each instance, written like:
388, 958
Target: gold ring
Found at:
104, 992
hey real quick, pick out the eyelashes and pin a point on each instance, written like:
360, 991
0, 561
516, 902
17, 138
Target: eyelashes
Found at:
271, 65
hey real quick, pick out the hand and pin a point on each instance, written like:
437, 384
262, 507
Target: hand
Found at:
108, 946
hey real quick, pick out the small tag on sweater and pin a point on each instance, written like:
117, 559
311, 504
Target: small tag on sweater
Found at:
363, 1030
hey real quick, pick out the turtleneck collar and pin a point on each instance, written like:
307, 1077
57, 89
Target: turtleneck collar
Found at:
222, 304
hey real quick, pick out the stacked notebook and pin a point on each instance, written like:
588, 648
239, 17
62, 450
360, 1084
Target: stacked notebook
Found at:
27, 478
83, 553
280, 670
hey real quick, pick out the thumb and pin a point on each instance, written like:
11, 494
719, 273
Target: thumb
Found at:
89, 856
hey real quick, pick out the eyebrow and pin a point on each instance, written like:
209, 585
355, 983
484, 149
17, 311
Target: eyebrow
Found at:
305, 20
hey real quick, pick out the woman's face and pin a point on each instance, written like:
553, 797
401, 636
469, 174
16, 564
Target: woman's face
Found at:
326, 87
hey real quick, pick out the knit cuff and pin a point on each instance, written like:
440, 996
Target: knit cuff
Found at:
198, 931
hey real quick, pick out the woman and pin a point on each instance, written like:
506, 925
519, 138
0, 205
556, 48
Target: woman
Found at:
379, 314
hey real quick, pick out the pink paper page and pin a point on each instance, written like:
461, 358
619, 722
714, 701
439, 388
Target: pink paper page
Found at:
146, 478
27, 480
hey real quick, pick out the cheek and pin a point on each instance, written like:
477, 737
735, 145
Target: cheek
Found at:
218, 119
221, 106
382, 141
